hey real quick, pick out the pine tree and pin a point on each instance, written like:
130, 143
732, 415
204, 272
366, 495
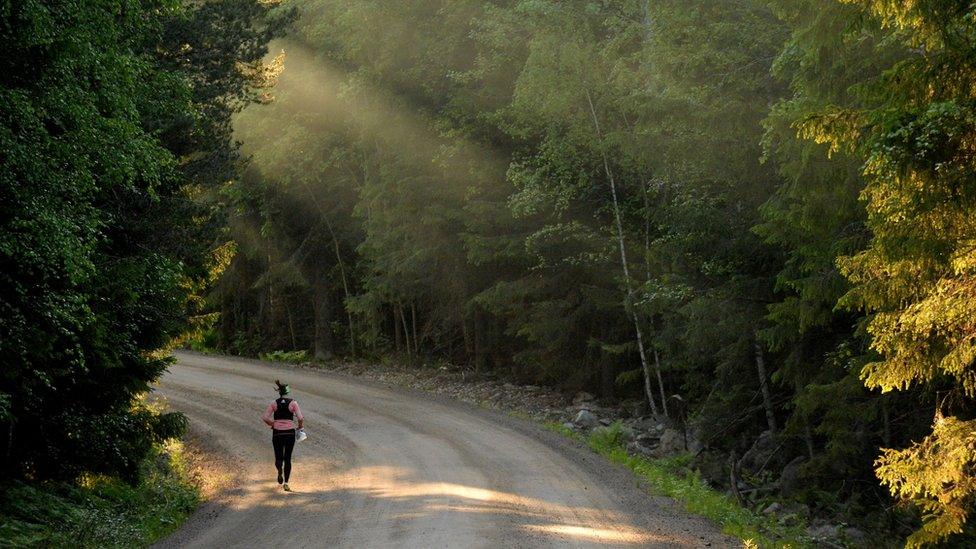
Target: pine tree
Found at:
917, 277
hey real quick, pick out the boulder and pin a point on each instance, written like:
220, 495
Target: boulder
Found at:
586, 419
672, 442
633, 408
789, 519
693, 441
637, 449
582, 397
854, 537
772, 508
760, 454
713, 467
823, 532
798, 509
648, 439
585, 405
789, 479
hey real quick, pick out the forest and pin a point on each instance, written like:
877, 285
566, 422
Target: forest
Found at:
756, 216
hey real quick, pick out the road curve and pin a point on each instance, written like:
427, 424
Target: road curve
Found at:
389, 467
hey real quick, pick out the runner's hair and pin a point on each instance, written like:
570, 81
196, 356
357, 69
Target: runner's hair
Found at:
281, 388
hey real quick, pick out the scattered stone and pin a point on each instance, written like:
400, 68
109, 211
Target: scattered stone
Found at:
648, 439
693, 441
586, 419
854, 536
638, 408
789, 479
642, 434
760, 454
798, 509
713, 467
672, 442
823, 532
789, 519
582, 397
638, 449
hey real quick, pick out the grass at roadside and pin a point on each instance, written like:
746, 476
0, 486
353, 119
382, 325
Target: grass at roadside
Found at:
100, 511
670, 477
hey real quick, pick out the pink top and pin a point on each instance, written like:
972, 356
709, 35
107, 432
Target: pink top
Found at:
282, 424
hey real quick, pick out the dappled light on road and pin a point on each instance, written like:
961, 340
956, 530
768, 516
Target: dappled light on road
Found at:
595, 534
419, 499
384, 469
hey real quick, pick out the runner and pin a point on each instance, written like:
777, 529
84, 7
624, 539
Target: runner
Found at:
280, 416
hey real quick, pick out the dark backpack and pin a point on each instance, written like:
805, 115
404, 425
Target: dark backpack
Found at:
282, 411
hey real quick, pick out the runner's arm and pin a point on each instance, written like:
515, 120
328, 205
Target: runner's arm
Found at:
298, 414
268, 415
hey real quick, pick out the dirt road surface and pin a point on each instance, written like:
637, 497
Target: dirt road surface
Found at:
389, 467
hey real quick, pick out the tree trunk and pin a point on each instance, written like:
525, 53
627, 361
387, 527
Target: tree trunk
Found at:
345, 287
9, 445
342, 268
660, 383
808, 437
324, 347
406, 332
396, 329
734, 478
607, 379
413, 318
764, 387
291, 328
645, 367
466, 338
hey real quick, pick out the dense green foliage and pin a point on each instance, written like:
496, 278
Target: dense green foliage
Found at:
648, 198
916, 279
114, 135
755, 215
100, 511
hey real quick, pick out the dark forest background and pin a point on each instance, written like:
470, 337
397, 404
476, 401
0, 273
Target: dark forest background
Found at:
760, 209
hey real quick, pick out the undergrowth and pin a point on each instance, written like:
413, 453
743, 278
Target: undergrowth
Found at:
284, 356
670, 477
101, 511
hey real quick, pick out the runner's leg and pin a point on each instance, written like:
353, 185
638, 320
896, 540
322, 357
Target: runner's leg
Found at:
279, 451
289, 444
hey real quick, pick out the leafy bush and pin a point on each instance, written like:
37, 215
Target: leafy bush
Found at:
99, 510
204, 338
103, 239
110, 443
285, 356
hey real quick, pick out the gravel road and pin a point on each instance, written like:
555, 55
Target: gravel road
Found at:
390, 467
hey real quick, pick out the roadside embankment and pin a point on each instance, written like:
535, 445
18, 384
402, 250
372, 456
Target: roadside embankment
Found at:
101, 511
658, 454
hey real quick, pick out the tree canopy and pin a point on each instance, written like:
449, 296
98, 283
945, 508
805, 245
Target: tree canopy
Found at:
754, 216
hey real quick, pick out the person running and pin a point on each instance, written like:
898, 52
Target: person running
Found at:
281, 416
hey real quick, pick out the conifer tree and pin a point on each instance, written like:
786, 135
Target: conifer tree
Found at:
917, 277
